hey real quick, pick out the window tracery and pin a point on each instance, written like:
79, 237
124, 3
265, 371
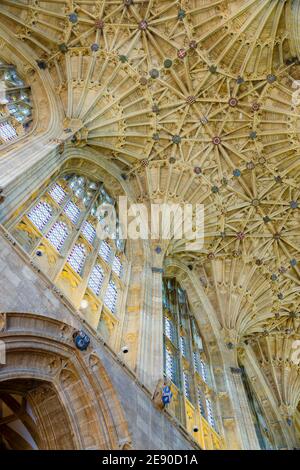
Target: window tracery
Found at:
66, 213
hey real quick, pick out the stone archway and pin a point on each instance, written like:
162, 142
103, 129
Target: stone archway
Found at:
53, 395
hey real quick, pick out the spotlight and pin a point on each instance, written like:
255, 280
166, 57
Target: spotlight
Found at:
84, 304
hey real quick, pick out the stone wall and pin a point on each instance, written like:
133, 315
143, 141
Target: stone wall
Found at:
23, 289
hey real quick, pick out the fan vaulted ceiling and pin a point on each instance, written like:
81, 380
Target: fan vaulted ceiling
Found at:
193, 100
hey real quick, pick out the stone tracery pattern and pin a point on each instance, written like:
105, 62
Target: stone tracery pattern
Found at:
193, 101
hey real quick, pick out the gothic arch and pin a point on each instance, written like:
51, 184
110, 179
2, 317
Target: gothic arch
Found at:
215, 342
86, 413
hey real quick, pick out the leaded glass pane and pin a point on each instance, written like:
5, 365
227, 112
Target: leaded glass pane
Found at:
7, 131
210, 416
203, 370
58, 235
72, 212
170, 367
57, 193
117, 266
186, 386
196, 361
77, 258
89, 232
105, 251
96, 279
201, 402
40, 214
169, 329
183, 347
111, 295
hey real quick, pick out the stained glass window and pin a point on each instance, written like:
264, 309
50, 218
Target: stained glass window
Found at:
105, 251
57, 193
117, 266
77, 258
58, 235
72, 212
111, 295
89, 232
40, 214
96, 279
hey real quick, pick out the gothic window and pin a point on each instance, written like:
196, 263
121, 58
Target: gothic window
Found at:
96, 279
15, 104
105, 251
262, 431
185, 361
40, 214
57, 193
111, 295
58, 235
72, 212
77, 257
75, 198
89, 232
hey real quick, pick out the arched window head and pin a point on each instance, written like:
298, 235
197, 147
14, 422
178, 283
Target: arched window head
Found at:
15, 104
185, 362
40, 214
